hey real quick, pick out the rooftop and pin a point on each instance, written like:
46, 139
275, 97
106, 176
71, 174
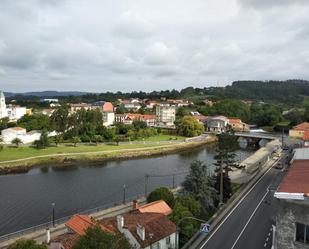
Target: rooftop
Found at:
159, 206
302, 126
80, 223
157, 226
234, 120
295, 184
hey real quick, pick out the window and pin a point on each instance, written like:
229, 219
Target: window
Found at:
302, 233
168, 240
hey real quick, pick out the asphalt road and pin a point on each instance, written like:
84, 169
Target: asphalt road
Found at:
249, 225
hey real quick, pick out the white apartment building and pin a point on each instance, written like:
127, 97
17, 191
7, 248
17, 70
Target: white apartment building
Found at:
108, 118
166, 115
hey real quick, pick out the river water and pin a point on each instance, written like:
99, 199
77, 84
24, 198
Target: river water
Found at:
25, 199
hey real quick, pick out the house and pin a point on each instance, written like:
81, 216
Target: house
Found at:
165, 115
104, 106
79, 106
298, 130
17, 132
305, 138
15, 112
108, 118
200, 118
217, 124
128, 118
179, 102
150, 104
292, 219
237, 125
130, 104
145, 226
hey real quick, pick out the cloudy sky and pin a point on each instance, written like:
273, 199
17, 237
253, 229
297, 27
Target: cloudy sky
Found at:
100, 45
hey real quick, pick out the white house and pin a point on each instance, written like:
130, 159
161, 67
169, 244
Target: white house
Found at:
17, 132
16, 112
217, 123
108, 118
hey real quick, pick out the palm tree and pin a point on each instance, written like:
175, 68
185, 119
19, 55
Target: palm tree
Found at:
16, 141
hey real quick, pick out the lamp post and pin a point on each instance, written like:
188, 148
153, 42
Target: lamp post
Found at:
177, 228
53, 214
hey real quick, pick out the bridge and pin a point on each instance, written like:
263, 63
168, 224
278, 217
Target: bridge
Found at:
251, 138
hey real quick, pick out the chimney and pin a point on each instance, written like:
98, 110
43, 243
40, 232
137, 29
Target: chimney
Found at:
47, 236
120, 222
140, 230
135, 205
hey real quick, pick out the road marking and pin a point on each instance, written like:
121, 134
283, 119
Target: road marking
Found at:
267, 239
250, 218
265, 245
241, 200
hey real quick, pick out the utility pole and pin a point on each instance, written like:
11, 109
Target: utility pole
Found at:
146, 185
53, 214
124, 194
282, 137
173, 181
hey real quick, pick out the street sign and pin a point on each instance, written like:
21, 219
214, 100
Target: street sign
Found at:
205, 228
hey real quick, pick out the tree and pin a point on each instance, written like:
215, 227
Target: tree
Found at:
227, 144
35, 122
187, 227
97, 139
139, 124
60, 118
26, 244
189, 127
199, 184
181, 112
16, 141
162, 193
188, 201
1, 144
96, 238
58, 139
75, 140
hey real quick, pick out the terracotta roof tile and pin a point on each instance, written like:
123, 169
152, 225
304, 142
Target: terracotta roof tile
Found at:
234, 120
157, 226
306, 135
302, 126
296, 180
159, 206
80, 223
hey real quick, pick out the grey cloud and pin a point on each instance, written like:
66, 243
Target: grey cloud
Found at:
100, 45
263, 4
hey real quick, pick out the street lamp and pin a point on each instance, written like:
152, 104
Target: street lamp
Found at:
177, 227
53, 214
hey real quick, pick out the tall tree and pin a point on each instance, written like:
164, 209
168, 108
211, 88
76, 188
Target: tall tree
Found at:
199, 183
60, 118
189, 127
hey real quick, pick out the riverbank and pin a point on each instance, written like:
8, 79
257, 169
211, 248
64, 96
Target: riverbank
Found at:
98, 154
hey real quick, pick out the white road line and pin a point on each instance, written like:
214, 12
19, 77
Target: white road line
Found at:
242, 231
265, 245
241, 200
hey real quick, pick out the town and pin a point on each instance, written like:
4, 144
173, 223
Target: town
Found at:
154, 124
180, 216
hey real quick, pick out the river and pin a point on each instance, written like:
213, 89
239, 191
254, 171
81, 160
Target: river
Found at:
25, 199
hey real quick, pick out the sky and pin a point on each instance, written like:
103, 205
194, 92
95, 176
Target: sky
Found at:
125, 45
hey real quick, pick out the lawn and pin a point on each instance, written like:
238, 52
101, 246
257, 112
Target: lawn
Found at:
12, 153
162, 137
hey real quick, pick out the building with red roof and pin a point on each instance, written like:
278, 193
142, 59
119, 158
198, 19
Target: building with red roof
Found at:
299, 130
292, 221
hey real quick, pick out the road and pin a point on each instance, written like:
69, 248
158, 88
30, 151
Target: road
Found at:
249, 224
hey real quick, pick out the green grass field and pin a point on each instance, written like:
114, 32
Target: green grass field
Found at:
162, 137
12, 153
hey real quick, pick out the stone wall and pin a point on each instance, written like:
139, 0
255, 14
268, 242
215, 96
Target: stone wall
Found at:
290, 212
